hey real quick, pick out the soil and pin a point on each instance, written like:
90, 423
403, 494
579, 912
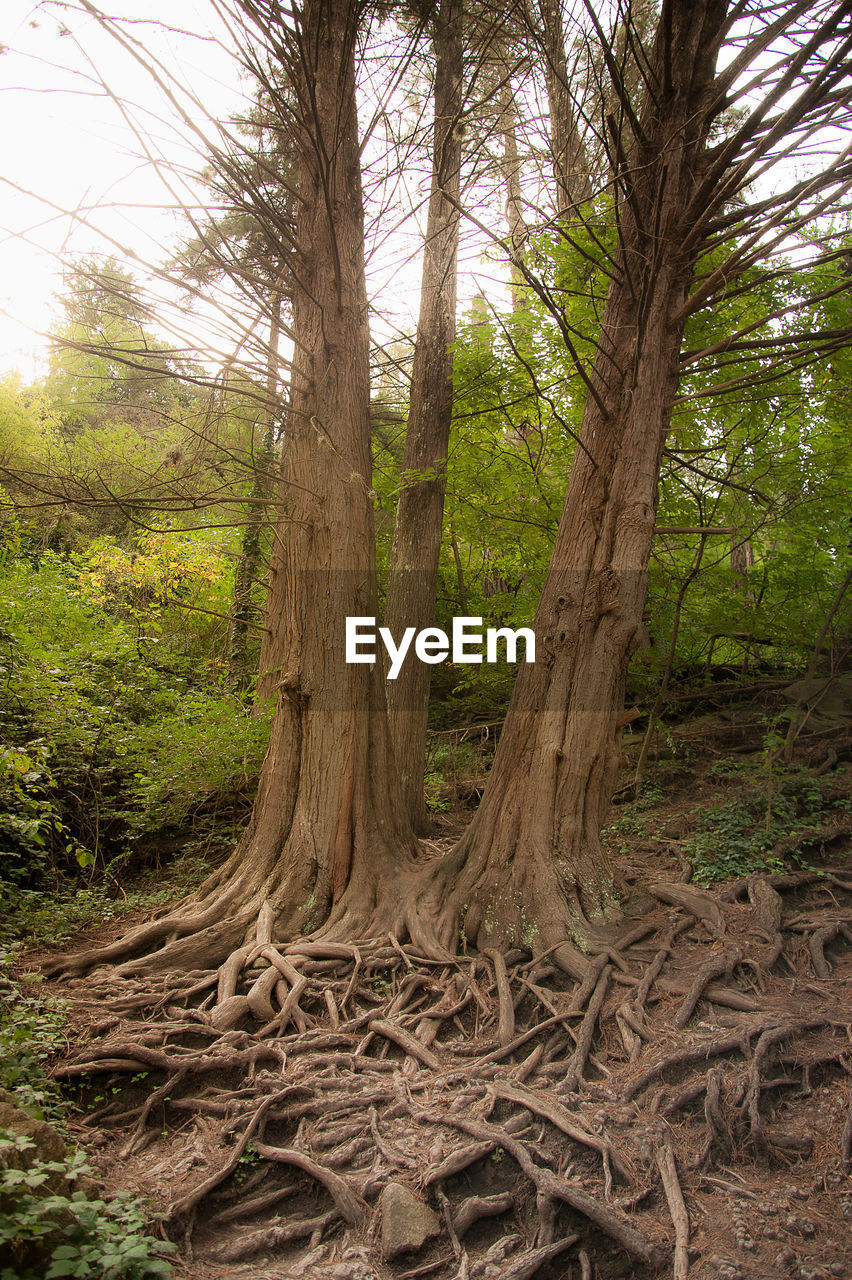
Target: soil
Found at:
686, 1110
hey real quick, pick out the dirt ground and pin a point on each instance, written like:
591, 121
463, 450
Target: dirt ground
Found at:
686, 1110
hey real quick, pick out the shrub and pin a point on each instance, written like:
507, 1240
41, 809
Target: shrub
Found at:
52, 1233
49, 1225
111, 740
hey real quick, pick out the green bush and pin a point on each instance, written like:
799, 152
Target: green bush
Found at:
30, 823
51, 1233
50, 1226
111, 740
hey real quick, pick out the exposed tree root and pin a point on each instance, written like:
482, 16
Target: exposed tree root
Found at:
285, 1089
677, 1208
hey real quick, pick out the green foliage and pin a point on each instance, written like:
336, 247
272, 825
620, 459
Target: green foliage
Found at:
769, 469
209, 749
116, 737
52, 1234
32, 1027
737, 837
450, 760
30, 823
247, 1161
731, 842
50, 917
141, 581
50, 1226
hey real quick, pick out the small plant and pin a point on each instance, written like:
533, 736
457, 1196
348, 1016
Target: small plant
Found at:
728, 843
737, 838
730, 767
433, 786
32, 1028
55, 1233
650, 796
634, 821
246, 1163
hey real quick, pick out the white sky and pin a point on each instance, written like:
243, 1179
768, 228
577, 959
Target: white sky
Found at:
62, 138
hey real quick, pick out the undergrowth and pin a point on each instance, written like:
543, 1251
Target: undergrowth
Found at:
757, 806
742, 834
51, 1222
50, 1234
452, 759
115, 741
52, 915
31, 1030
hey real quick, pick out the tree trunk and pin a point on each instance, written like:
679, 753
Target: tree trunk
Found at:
511, 166
328, 834
269, 663
742, 561
249, 557
531, 867
568, 154
419, 518
797, 719
663, 691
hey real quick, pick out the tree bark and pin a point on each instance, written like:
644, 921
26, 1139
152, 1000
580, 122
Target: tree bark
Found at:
271, 644
328, 835
568, 154
663, 691
531, 868
246, 569
416, 544
511, 166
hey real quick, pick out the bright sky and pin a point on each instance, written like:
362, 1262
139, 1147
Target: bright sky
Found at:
63, 138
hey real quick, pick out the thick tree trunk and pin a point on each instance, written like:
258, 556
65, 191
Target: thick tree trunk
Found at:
531, 867
328, 834
419, 518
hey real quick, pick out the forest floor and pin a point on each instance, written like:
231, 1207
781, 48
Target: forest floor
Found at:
687, 1109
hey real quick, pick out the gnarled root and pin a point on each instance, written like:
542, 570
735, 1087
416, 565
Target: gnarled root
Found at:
329, 1067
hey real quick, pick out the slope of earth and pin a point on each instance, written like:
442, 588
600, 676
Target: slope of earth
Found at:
685, 1110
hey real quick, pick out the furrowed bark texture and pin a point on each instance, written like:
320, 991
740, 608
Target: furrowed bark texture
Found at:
420, 512
328, 833
531, 867
328, 828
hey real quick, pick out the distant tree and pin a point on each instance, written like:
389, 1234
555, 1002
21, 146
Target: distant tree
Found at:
416, 548
248, 245
106, 364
